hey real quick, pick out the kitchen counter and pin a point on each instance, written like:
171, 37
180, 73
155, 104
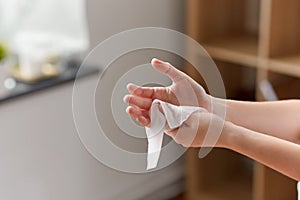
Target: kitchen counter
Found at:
68, 75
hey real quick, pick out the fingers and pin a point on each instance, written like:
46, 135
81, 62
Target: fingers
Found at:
149, 92
142, 103
140, 91
167, 69
141, 116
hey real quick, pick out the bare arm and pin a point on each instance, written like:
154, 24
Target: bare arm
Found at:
273, 152
279, 118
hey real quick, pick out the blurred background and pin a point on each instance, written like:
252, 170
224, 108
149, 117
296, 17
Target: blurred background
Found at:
255, 44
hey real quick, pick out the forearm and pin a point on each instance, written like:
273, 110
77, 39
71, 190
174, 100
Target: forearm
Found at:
280, 118
281, 155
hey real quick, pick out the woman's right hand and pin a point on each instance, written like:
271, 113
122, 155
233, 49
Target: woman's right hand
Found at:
179, 93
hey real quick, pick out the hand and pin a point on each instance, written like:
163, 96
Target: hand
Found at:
179, 93
193, 131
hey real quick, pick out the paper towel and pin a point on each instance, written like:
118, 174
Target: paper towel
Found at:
171, 115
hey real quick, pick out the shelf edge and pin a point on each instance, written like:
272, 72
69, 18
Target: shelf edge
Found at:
232, 56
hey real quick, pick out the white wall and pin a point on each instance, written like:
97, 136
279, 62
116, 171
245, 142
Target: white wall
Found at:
108, 17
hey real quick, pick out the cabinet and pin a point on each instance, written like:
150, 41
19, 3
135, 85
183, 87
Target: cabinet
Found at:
262, 36
43, 158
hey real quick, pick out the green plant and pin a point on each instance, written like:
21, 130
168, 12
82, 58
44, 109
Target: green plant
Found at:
3, 51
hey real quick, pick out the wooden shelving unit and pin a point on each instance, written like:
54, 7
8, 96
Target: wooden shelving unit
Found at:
208, 181
240, 50
269, 47
288, 65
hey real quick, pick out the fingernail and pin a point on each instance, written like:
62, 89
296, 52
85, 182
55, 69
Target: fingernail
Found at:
153, 60
161, 66
131, 86
134, 89
156, 61
127, 109
126, 98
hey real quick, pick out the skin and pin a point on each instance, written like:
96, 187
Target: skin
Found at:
268, 132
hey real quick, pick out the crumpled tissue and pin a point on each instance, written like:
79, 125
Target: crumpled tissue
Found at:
169, 115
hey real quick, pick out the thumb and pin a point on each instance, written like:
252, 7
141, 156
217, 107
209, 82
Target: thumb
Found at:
167, 69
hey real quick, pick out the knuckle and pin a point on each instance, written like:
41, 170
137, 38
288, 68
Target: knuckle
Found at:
185, 145
138, 91
129, 99
168, 70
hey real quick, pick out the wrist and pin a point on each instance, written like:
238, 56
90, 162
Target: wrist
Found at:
218, 107
205, 101
227, 134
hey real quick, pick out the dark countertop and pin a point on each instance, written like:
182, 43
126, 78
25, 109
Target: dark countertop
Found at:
68, 75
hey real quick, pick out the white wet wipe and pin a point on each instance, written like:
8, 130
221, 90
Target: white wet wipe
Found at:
171, 115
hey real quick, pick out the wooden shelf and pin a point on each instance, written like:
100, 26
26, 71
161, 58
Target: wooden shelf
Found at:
240, 49
280, 82
289, 65
275, 186
233, 189
272, 47
223, 174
